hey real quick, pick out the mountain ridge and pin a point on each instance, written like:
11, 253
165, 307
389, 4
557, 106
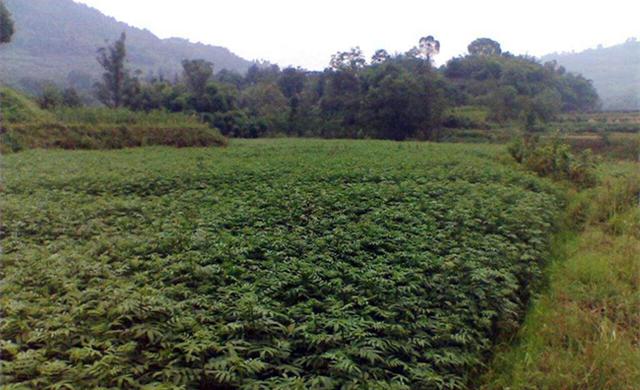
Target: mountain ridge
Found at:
57, 41
614, 70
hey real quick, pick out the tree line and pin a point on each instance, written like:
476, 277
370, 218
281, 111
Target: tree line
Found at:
390, 96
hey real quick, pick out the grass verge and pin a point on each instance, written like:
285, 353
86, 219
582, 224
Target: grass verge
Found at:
25, 126
584, 331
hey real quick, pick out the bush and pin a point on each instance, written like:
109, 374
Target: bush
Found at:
553, 158
614, 200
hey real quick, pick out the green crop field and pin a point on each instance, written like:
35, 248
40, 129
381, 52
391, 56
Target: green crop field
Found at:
266, 264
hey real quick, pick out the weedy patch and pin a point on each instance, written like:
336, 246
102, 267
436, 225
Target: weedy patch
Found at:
269, 264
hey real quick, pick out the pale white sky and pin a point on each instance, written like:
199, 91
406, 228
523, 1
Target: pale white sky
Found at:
306, 33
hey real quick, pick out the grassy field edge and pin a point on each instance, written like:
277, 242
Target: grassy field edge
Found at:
583, 331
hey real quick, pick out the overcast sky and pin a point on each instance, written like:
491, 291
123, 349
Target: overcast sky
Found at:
306, 33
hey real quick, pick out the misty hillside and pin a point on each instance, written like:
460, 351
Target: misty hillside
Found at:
57, 40
615, 72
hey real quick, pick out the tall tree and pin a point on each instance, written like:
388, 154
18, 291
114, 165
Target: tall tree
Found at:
6, 24
380, 56
484, 47
351, 60
429, 47
197, 74
291, 84
111, 91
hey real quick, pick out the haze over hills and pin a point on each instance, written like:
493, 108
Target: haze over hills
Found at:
57, 40
615, 72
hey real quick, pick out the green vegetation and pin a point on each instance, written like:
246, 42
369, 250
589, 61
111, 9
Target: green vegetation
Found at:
553, 158
26, 126
17, 108
393, 97
6, 24
401, 96
56, 41
583, 330
624, 122
269, 264
310, 264
467, 117
614, 71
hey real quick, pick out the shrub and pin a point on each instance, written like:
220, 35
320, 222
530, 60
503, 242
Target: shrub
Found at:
553, 158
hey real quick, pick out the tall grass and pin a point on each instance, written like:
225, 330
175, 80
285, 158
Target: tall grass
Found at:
16, 108
26, 126
100, 116
584, 331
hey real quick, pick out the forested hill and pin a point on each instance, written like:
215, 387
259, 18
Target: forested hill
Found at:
57, 40
615, 72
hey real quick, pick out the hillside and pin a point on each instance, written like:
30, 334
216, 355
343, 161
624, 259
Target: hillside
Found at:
615, 72
57, 40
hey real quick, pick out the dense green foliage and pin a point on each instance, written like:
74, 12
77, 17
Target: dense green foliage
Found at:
393, 97
519, 87
553, 157
269, 264
390, 97
53, 97
16, 107
614, 71
26, 126
6, 24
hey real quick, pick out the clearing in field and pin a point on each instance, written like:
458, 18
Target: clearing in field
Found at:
268, 264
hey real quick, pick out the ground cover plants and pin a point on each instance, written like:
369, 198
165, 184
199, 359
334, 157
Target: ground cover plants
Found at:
583, 329
267, 264
24, 125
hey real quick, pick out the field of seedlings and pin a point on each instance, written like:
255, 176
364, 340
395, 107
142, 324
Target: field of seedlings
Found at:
286, 264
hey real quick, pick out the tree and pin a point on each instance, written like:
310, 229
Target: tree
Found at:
267, 102
413, 53
351, 60
70, 98
50, 98
291, 84
6, 24
547, 104
401, 104
262, 72
429, 47
380, 56
484, 47
291, 81
197, 74
111, 91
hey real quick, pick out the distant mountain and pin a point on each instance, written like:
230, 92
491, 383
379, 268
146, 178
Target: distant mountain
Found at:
57, 40
615, 72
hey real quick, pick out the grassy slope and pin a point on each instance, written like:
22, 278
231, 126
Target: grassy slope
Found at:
16, 107
26, 126
584, 331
